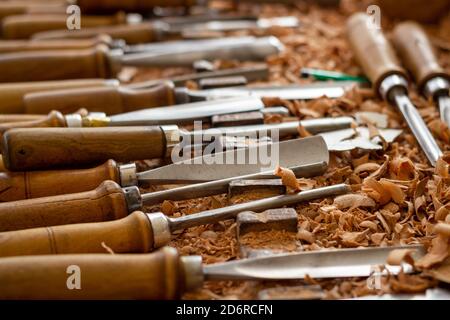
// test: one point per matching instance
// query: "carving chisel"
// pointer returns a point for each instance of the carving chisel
(138, 232)
(101, 62)
(377, 57)
(166, 275)
(10, 8)
(416, 52)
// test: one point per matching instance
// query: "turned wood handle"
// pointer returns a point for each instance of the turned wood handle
(132, 234)
(34, 184)
(12, 94)
(372, 50)
(2, 166)
(50, 148)
(97, 6)
(6, 118)
(106, 202)
(24, 26)
(57, 65)
(10, 8)
(9, 46)
(417, 54)
(158, 275)
(130, 33)
(110, 100)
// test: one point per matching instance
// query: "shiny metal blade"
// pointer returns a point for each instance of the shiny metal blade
(444, 109)
(224, 165)
(186, 113)
(340, 263)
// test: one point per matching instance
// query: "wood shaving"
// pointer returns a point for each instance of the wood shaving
(353, 201)
(288, 179)
(397, 257)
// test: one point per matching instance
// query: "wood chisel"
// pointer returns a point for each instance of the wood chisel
(416, 51)
(101, 62)
(377, 57)
(166, 275)
(10, 8)
(138, 232)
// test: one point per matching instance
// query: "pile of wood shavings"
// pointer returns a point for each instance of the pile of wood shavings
(399, 196)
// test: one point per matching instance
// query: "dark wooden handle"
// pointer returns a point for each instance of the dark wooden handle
(11, 94)
(56, 65)
(416, 52)
(130, 33)
(24, 26)
(110, 100)
(2, 166)
(50, 148)
(34, 184)
(158, 275)
(132, 234)
(106, 202)
(90, 6)
(371, 49)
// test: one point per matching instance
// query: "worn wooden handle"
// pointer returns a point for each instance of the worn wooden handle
(110, 100)
(6, 118)
(11, 94)
(158, 275)
(130, 33)
(417, 54)
(10, 8)
(34, 184)
(372, 50)
(143, 6)
(50, 148)
(106, 202)
(24, 26)
(57, 65)
(9, 46)
(132, 234)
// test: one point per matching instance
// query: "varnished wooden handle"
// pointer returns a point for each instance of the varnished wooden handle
(2, 166)
(50, 148)
(372, 50)
(416, 52)
(11, 8)
(24, 26)
(144, 6)
(158, 275)
(130, 33)
(106, 202)
(110, 100)
(6, 118)
(9, 46)
(132, 234)
(57, 65)
(34, 184)
(11, 94)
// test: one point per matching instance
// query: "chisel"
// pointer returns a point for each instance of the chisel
(377, 57)
(416, 52)
(11, 94)
(138, 232)
(89, 6)
(33, 184)
(10, 8)
(101, 62)
(166, 275)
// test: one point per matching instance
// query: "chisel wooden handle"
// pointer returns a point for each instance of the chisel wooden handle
(24, 26)
(90, 6)
(9, 46)
(372, 50)
(130, 33)
(107, 202)
(50, 148)
(2, 166)
(159, 275)
(11, 94)
(416, 52)
(6, 118)
(34, 184)
(110, 100)
(132, 234)
(10, 8)
(57, 65)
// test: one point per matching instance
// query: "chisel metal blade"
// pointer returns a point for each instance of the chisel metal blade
(340, 263)
(224, 165)
(444, 109)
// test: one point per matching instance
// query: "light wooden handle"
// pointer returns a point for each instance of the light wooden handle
(9, 46)
(416, 52)
(106, 202)
(158, 275)
(372, 50)
(90, 6)
(24, 26)
(11, 8)
(50, 148)
(7, 118)
(130, 33)
(34, 184)
(132, 234)
(11, 94)
(110, 100)
(56, 65)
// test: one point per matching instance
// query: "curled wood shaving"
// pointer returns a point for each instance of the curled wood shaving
(397, 257)
(305, 235)
(367, 167)
(108, 249)
(437, 253)
(394, 190)
(353, 201)
(288, 179)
